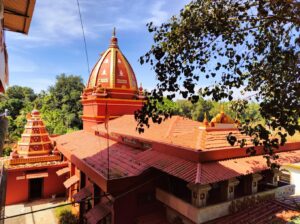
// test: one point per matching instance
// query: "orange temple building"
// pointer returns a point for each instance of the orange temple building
(31, 169)
(112, 88)
(180, 171)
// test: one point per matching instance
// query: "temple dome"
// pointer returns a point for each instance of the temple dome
(113, 70)
(223, 118)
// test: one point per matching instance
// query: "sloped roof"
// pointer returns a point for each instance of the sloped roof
(93, 152)
(272, 211)
(211, 172)
(18, 15)
(176, 130)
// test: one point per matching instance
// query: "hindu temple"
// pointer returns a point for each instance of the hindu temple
(112, 88)
(179, 171)
(32, 166)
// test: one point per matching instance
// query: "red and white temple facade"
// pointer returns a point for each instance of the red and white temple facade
(180, 171)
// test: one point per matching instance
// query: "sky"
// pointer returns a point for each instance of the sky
(55, 45)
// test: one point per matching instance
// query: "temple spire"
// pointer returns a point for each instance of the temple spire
(222, 108)
(114, 40)
(114, 32)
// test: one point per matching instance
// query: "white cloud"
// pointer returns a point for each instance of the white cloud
(53, 23)
(158, 15)
(37, 84)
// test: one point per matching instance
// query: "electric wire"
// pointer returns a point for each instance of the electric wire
(84, 39)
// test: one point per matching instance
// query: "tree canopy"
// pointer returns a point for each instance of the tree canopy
(247, 46)
(60, 106)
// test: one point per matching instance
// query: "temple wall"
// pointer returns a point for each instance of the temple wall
(53, 184)
(95, 112)
(142, 201)
(16, 190)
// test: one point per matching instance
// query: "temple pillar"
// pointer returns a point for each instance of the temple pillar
(272, 177)
(199, 194)
(255, 178)
(228, 189)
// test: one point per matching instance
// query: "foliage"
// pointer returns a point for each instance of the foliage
(249, 45)
(3, 131)
(295, 220)
(18, 101)
(60, 106)
(7, 150)
(67, 217)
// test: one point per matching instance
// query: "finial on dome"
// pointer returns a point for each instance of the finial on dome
(222, 108)
(114, 32)
(114, 40)
(205, 121)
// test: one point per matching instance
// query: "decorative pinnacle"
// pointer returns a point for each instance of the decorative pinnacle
(222, 108)
(205, 121)
(114, 32)
(114, 40)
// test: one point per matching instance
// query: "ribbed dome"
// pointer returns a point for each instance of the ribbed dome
(113, 70)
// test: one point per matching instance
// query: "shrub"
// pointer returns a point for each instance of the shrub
(67, 217)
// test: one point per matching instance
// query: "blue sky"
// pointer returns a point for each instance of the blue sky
(54, 44)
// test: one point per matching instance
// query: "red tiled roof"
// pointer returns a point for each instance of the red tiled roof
(211, 172)
(97, 213)
(63, 171)
(175, 130)
(266, 212)
(71, 181)
(92, 151)
(83, 193)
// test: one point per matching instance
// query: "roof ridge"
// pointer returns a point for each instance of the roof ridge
(198, 174)
(172, 126)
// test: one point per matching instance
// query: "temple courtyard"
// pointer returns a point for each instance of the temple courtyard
(45, 216)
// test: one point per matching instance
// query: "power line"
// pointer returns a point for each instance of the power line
(84, 40)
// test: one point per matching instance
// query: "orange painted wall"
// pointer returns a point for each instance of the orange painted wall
(94, 111)
(17, 191)
(53, 184)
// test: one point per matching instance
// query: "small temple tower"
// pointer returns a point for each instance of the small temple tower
(35, 139)
(112, 89)
(33, 164)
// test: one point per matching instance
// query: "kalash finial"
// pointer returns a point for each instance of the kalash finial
(222, 109)
(114, 40)
(114, 32)
(205, 120)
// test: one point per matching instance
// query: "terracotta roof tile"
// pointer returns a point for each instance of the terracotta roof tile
(211, 172)
(83, 193)
(71, 181)
(175, 130)
(97, 213)
(93, 151)
(63, 171)
(266, 212)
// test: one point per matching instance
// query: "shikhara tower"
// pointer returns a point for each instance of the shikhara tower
(112, 89)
